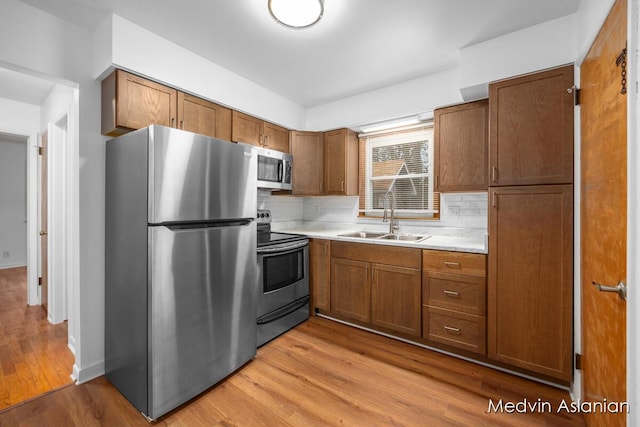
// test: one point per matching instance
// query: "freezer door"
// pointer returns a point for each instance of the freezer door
(203, 291)
(196, 178)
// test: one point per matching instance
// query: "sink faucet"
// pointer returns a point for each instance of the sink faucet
(393, 222)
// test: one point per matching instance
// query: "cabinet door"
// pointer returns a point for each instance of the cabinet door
(351, 289)
(461, 146)
(531, 130)
(246, 128)
(320, 280)
(341, 162)
(276, 137)
(396, 301)
(308, 152)
(130, 102)
(203, 117)
(530, 288)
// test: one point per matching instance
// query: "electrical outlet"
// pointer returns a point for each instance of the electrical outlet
(454, 210)
(6, 254)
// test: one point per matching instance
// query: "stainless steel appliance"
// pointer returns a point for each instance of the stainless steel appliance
(283, 260)
(181, 268)
(274, 169)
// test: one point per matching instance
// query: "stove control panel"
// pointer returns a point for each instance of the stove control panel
(263, 216)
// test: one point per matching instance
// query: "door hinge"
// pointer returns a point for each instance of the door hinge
(576, 94)
(578, 361)
(40, 151)
(621, 60)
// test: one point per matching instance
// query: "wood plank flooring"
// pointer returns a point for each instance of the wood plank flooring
(34, 357)
(321, 373)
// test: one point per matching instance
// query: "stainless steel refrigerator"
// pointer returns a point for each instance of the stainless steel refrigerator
(181, 268)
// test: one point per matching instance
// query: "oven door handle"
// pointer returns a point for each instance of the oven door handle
(283, 311)
(281, 249)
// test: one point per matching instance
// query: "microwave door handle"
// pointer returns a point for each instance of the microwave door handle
(280, 171)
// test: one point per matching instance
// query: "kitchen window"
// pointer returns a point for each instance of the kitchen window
(401, 162)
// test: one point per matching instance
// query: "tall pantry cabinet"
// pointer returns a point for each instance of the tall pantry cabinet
(530, 287)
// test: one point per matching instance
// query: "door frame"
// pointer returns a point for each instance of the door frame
(633, 219)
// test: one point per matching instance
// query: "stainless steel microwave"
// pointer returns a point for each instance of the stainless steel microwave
(274, 169)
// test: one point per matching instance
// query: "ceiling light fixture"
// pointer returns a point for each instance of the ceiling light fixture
(296, 13)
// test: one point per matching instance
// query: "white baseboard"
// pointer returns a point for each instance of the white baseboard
(89, 373)
(13, 264)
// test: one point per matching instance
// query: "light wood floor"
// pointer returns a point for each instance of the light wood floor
(34, 357)
(320, 373)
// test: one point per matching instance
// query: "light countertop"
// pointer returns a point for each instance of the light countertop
(441, 238)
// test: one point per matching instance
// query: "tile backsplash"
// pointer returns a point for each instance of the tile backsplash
(464, 210)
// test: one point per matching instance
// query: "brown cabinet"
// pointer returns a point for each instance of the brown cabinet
(255, 131)
(530, 290)
(395, 298)
(531, 129)
(351, 289)
(204, 117)
(308, 151)
(319, 274)
(341, 162)
(130, 102)
(461, 134)
(377, 285)
(454, 299)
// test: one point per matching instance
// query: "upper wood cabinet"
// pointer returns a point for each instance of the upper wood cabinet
(530, 287)
(204, 117)
(308, 152)
(461, 134)
(531, 129)
(130, 102)
(340, 162)
(255, 131)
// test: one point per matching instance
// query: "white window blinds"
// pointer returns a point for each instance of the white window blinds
(400, 162)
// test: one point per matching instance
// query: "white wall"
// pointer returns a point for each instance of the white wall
(13, 202)
(535, 48)
(136, 49)
(52, 47)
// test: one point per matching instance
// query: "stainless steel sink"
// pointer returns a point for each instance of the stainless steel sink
(404, 237)
(385, 236)
(364, 234)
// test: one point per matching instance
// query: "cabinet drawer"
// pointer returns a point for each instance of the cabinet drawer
(454, 292)
(456, 329)
(454, 262)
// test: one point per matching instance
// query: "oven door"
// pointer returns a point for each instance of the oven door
(284, 275)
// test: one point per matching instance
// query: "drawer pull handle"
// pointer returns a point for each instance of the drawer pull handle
(452, 329)
(452, 294)
(451, 264)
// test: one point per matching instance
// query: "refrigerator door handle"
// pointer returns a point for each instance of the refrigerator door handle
(203, 224)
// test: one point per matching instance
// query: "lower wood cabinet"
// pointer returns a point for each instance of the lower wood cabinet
(377, 285)
(319, 274)
(454, 299)
(395, 298)
(530, 289)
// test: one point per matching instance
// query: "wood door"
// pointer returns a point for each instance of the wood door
(308, 151)
(204, 117)
(276, 137)
(531, 129)
(461, 135)
(396, 301)
(44, 223)
(246, 128)
(530, 287)
(351, 289)
(140, 102)
(320, 274)
(603, 207)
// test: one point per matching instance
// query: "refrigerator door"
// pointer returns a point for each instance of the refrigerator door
(203, 294)
(196, 178)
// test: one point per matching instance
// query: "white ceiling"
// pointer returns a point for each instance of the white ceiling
(22, 87)
(358, 46)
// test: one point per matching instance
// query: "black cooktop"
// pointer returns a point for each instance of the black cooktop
(266, 237)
